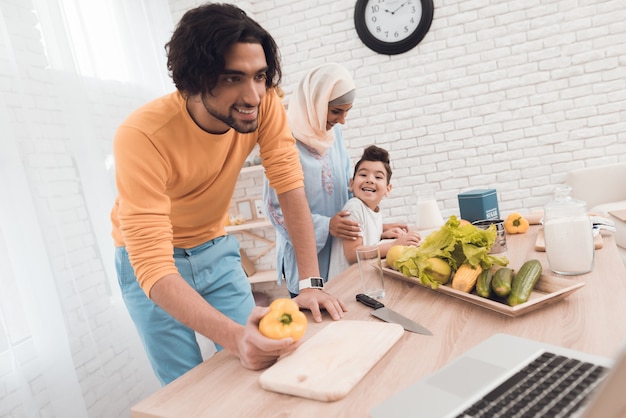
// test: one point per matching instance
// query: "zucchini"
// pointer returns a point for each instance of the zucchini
(502, 280)
(524, 282)
(483, 285)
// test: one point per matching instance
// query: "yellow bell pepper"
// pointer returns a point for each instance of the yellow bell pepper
(516, 224)
(283, 320)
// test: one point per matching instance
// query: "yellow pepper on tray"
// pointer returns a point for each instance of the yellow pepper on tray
(283, 320)
(516, 224)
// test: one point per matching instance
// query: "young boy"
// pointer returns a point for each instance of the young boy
(370, 184)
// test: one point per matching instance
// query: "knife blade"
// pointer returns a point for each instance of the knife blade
(387, 315)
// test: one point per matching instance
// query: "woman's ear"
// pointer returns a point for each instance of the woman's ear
(350, 187)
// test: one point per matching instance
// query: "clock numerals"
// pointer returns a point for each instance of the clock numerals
(392, 23)
(392, 26)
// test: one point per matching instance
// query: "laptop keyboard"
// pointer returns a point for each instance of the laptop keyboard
(550, 386)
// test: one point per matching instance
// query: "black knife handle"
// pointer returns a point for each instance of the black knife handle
(368, 301)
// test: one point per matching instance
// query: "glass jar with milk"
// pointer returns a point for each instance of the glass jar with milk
(568, 234)
(428, 216)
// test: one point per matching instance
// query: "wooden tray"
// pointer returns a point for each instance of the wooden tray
(549, 289)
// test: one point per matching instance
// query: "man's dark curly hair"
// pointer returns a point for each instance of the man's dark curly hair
(374, 153)
(195, 53)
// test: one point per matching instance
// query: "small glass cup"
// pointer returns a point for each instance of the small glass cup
(370, 267)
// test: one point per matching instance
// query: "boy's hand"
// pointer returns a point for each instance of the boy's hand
(408, 238)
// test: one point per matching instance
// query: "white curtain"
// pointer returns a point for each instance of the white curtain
(70, 71)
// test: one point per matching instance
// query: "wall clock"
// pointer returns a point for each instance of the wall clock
(392, 26)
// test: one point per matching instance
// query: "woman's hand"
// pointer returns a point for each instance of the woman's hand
(341, 226)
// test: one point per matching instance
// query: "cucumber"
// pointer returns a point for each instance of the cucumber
(524, 282)
(502, 280)
(483, 284)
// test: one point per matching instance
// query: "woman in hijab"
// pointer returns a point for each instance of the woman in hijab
(316, 110)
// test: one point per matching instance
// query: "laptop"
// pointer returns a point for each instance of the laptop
(501, 368)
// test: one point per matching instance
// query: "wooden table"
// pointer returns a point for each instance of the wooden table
(591, 320)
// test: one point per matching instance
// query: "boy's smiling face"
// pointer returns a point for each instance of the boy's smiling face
(370, 183)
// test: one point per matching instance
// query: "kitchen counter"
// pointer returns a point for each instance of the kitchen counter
(590, 319)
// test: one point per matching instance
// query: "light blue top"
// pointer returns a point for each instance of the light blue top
(326, 182)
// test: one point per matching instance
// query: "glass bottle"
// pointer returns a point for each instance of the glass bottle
(428, 215)
(568, 234)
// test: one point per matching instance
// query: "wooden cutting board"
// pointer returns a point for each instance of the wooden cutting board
(540, 243)
(328, 365)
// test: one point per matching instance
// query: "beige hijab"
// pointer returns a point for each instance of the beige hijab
(308, 105)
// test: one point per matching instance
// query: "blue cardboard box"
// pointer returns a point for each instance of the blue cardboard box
(479, 204)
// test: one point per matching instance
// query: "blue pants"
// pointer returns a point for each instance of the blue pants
(214, 270)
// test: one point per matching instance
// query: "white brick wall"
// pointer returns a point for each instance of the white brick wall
(502, 93)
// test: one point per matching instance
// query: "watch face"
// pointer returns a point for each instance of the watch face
(317, 282)
(392, 20)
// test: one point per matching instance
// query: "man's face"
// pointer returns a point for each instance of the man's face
(234, 102)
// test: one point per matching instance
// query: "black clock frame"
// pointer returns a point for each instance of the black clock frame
(393, 48)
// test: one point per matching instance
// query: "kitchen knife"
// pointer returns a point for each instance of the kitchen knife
(387, 315)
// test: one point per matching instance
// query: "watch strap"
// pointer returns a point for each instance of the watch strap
(311, 283)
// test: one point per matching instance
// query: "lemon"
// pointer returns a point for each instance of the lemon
(393, 254)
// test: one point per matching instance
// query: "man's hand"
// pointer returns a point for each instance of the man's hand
(316, 299)
(256, 351)
(341, 226)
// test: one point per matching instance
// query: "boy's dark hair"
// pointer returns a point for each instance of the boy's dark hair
(195, 53)
(374, 153)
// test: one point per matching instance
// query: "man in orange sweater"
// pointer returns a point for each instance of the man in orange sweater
(177, 161)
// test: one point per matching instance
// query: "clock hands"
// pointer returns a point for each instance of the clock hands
(392, 26)
(398, 8)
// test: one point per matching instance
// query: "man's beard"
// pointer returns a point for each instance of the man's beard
(241, 127)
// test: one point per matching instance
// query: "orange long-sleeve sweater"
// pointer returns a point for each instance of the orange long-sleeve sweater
(175, 181)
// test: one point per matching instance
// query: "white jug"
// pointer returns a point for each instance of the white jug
(428, 215)
(568, 234)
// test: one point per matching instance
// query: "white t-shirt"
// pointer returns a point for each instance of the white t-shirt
(371, 230)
